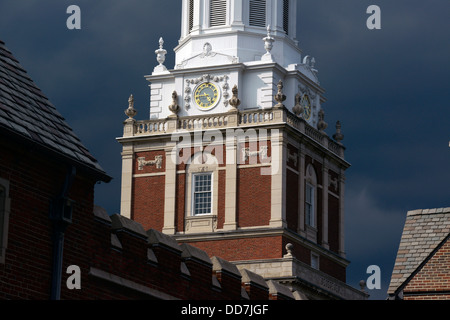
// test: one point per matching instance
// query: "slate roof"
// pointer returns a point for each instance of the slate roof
(423, 232)
(26, 112)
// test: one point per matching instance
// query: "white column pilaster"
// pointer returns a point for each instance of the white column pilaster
(170, 191)
(301, 193)
(230, 222)
(341, 214)
(127, 180)
(278, 189)
(325, 204)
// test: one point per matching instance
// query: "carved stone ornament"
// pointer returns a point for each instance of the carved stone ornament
(298, 108)
(262, 153)
(322, 125)
(268, 45)
(187, 95)
(234, 101)
(174, 107)
(130, 112)
(332, 182)
(293, 157)
(289, 250)
(338, 136)
(160, 57)
(157, 162)
(188, 91)
(280, 97)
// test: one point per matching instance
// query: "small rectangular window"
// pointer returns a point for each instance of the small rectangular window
(257, 17)
(217, 13)
(202, 193)
(309, 205)
(315, 261)
(286, 16)
(191, 15)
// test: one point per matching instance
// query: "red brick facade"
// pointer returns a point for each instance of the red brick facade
(141, 265)
(432, 282)
(253, 205)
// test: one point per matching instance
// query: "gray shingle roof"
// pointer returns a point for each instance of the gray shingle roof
(25, 111)
(424, 230)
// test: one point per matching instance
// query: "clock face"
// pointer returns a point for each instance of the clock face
(306, 104)
(206, 95)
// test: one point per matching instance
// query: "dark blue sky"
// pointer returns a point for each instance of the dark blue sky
(389, 88)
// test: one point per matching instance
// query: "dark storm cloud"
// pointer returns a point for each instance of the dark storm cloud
(388, 87)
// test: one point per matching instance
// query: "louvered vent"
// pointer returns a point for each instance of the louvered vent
(217, 13)
(191, 15)
(258, 13)
(286, 16)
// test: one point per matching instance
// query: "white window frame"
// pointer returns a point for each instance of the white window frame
(310, 215)
(211, 191)
(5, 204)
(315, 261)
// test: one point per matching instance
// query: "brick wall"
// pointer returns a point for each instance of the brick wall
(292, 200)
(254, 197)
(243, 248)
(148, 201)
(432, 282)
(117, 257)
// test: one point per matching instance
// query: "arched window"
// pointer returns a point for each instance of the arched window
(257, 15)
(217, 13)
(202, 184)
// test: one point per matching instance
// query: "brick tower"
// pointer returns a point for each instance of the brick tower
(234, 158)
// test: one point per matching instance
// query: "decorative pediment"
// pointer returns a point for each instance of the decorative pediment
(207, 58)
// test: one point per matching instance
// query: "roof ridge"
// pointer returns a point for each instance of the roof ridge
(428, 211)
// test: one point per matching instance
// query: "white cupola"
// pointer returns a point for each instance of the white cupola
(236, 27)
(250, 44)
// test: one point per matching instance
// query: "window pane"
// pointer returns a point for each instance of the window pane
(309, 205)
(202, 194)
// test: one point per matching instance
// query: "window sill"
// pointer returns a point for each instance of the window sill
(200, 223)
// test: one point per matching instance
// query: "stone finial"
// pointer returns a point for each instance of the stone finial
(280, 97)
(322, 125)
(160, 57)
(338, 136)
(130, 112)
(174, 107)
(362, 285)
(298, 108)
(289, 249)
(268, 45)
(234, 101)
